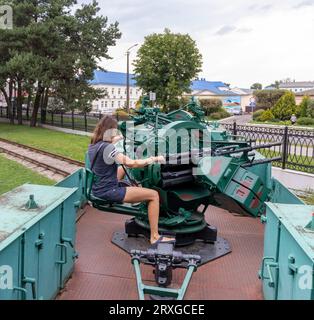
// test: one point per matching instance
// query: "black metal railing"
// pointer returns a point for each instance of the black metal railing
(296, 149)
(69, 120)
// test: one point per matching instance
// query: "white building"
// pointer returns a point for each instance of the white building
(297, 86)
(2, 100)
(114, 84)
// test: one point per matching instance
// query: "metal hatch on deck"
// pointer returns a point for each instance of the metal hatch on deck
(16, 214)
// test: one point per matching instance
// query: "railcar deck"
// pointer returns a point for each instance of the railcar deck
(104, 272)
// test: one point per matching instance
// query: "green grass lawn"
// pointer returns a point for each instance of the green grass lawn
(309, 161)
(282, 123)
(69, 145)
(13, 174)
(308, 198)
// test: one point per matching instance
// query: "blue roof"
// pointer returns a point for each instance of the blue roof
(212, 86)
(112, 78)
(119, 79)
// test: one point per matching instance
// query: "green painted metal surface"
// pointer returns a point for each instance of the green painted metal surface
(37, 242)
(177, 294)
(287, 269)
(188, 141)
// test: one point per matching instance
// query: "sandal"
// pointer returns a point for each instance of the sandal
(159, 240)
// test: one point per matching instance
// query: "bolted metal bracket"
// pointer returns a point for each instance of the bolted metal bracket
(31, 203)
(39, 243)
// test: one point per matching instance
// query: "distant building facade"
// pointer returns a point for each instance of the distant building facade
(2, 100)
(297, 86)
(231, 98)
(114, 84)
(300, 95)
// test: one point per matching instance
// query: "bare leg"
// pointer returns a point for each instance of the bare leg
(136, 194)
(120, 173)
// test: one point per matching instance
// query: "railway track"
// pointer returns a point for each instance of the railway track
(55, 166)
(46, 153)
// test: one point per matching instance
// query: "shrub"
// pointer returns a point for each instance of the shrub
(267, 115)
(304, 121)
(211, 106)
(221, 114)
(257, 114)
(285, 106)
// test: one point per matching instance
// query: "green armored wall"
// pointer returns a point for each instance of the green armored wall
(287, 269)
(37, 238)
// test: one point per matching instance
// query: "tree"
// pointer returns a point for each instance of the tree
(52, 47)
(257, 86)
(266, 99)
(211, 105)
(166, 64)
(285, 106)
(303, 107)
(310, 109)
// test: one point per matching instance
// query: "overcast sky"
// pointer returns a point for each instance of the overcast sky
(242, 41)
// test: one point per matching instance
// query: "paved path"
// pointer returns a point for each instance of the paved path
(243, 119)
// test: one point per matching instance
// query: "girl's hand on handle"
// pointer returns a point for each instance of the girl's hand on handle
(160, 159)
(150, 160)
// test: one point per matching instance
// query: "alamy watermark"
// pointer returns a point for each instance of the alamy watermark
(306, 277)
(6, 277)
(183, 146)
(6, 17)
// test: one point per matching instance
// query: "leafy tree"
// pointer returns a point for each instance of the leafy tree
(211, 105)
(285, 106)
(166, 64)
(257, 86)
(53, 49)
(266, 99)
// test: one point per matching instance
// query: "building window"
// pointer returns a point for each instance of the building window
(119, 104)
(119, 91)
(102, 104)
(112, 104)
(106, 104)
(112, 90)
(131, 92)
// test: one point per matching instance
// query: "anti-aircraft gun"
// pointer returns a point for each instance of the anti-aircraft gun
(204, 166)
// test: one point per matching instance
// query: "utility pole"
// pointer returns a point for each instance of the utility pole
(128, 78)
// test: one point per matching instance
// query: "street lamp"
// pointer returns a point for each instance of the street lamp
(128, 77)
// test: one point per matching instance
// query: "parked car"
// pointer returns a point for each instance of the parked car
(235, 111)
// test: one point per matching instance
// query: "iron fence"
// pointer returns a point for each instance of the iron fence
(69, 120)
(296, 149)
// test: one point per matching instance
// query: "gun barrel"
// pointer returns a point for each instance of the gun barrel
(247, 149)
(262, 161)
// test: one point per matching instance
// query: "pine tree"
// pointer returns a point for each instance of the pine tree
(53, 50)
(285, 106)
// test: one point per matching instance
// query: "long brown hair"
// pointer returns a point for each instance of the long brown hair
(105, 125)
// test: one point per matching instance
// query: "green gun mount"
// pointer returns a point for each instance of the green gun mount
(204, 166)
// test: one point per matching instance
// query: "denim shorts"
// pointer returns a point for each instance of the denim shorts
(116, 194)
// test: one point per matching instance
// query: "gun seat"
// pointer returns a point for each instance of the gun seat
(89, 180)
